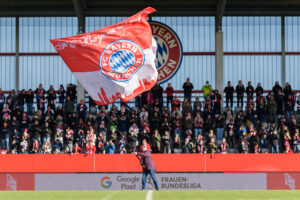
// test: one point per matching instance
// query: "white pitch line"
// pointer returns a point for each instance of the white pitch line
(110, 195)
(149, 195)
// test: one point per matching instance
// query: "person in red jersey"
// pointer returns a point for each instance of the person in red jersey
(90, 148)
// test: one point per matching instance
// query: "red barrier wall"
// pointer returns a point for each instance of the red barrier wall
(164, 163)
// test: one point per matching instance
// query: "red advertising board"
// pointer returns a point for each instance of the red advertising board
(17, 181)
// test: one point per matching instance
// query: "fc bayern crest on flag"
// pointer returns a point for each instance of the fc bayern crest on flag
(169, 51)
(121, 59)
(116, 61)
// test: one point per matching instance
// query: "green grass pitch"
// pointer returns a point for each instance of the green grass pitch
(156, 195)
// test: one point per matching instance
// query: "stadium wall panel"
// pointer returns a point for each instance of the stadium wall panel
(164, 163)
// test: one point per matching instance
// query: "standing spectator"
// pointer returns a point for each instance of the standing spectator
(298, 105)
(220, 123)
(5, 136)
(272, 108)
(69, 106)
(149, 98)
(206, 89)
(217, 102)
(157, 91)
(51, 94)
(188, 87)
(296, 142)
(90, 148)
(289, 106)
(29, 101)
(57, 146)
(2, 99)
(176, 104)
(276, 89)
(259, 90)
(21, 99)
(244, 148)
(40, 92)
(198, 124)
(61, 95)
(166, 140)
(81, 109)
(170, 91)
(110, 147)
(229, 94)
(287, 90)
(224, 146)
(156, 142)
(187, 146)
(240, 90)
(280, 101)
(69, 138)
(212, 147)
(71, 92)
(274, 141)
(249, 91)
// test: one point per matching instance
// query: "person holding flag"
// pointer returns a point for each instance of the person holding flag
(148, 166)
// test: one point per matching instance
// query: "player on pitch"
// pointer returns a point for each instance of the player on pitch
(148, 166)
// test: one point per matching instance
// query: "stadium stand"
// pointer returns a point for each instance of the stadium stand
(44, 122)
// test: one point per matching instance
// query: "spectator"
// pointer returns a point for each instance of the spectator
(109, 147)
(259, 90)
(91, 149)
(81, 109)
(206, 89)
(69, 106)
(224, 146)
(220, 123)
(272, 108)
(157, 91)
(175, 103)
(188, 87)
(229, 94)
(249, 91)
(29, 101)
(187, 146)
(276, 89)
(40, 92)
(240, 90)
(156, 142)
(296, 142)
(169, 91)
(2, 99)
(166, 141)
(217, 102)
(274, 141)
(61, 95)
(212, 147)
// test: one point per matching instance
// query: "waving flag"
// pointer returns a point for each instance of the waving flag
(114, 62)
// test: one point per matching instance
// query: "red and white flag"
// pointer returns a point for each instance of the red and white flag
(114, 62)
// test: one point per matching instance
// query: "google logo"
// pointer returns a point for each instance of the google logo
(105, 182)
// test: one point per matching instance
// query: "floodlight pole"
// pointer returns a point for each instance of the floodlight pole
(219, 65)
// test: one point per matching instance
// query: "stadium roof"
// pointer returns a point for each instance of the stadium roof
(165, 7)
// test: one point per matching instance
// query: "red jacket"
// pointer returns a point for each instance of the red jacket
(169, 91)
(90, 149)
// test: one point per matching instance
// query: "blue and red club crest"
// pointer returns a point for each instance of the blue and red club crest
(169, 51)
(121, 59)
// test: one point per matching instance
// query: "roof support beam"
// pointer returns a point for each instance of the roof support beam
(80, 14)
(220, 12)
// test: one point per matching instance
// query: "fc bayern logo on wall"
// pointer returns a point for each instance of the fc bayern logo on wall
(169, 51)
(121, 59)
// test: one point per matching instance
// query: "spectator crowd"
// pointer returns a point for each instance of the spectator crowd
(259, 123)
